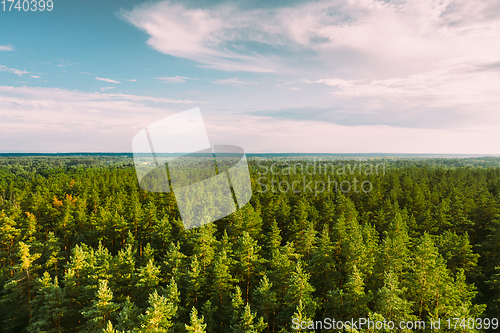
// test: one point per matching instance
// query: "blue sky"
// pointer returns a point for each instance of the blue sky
(283, 76)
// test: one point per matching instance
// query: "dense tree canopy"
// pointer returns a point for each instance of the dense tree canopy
(84, 249)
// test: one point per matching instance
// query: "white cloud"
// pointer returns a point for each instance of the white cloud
(394, 76)
(174, 79)
(64, 63)
(464, 90)
(201, 34)
(107, 80)
(264, 134)
(133, 80)
(137, 98)
(12, 70)
(359, 36)
(48, 119)
(51, 119)
(409, 63)
(106, 88)
(6, 48)
(35, 76)
(456, 96)
(231, 81)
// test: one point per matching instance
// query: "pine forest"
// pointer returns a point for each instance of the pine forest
(84, 249)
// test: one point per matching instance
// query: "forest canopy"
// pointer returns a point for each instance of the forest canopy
(84, 249)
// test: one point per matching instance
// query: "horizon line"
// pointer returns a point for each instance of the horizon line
(247, 153)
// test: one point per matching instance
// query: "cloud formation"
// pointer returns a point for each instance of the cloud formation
(13, 70)
(6, 48)
(208, 36)
(399, 75)
(231, 81)
(403, 64)
(107, 80)
(175, 79)
(64, 120)
(333, 33)
(266, 134)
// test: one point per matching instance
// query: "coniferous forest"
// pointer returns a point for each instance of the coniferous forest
(84, 249)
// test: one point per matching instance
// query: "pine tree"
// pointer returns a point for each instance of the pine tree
(172, 295)
(273, 238)
(406, 274)
(282, 264)
(300, 222)
(159, 314)
(123, 269)
(324, 275)
(277, 209)
(245, 219)
(266, 302)
(248, 261)
(52, 253)
(356, 298)
(150, 219)
(460, 299)
(29, 227)
(237, 306)
(300, 317)
(299, 290)
(339, 238)
(147, 281)
(79, 283)
(196, 283)
(49, 306)
(197, 325)
(101, 310)
(119, 227)
(162, 233)
(429, 280)
(209, 313)
(390, 299)
(494, 284)
(175, 262)
(101, 268)
(457, 251)
(9, 234)
(204, 245)
(222, 285)
(393, 253)
(128, 317)
(247, 322)
(18, 290)
(360, 247)
(305, 239)
(134, 212)
(109, 328)
(226, 244)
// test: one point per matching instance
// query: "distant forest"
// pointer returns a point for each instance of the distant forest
(84, 249)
